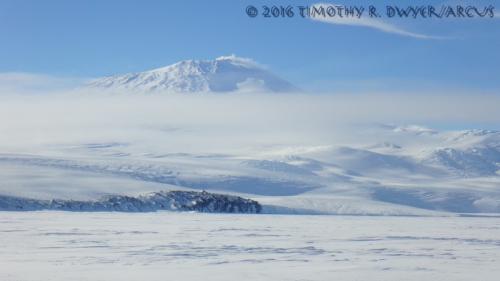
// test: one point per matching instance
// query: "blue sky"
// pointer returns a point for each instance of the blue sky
(97, 38)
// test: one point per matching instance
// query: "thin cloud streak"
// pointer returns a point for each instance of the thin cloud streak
(366, 21)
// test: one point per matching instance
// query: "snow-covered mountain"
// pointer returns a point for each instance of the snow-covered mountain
(402, 172)
(224, 74)
(469, 153)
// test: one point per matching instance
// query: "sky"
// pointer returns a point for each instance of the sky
(87, 39)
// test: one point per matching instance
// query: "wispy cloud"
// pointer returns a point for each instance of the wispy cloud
(20, 82)
(366, 21)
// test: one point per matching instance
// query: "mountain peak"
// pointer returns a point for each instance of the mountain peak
(223, 74)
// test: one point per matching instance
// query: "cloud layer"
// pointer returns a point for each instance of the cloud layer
(209, 122)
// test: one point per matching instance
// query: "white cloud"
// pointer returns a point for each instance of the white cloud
(252, 85)
(241, 60)
(29, 83)
(368, 22)
(212, 122)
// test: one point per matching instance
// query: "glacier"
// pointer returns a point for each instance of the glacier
(404, 179)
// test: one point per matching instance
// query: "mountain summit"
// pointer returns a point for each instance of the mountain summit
(224, 74)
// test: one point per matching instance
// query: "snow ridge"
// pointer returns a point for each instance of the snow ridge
(173, 200)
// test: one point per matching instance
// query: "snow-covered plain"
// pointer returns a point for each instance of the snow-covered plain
(191, 246)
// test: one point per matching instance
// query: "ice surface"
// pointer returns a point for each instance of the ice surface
(183, 246)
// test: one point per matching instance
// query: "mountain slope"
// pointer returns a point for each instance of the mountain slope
(224, 74)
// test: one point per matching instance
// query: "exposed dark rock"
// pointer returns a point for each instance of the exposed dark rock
(164, 200)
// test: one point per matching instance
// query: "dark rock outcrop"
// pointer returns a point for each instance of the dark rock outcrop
(164, 200)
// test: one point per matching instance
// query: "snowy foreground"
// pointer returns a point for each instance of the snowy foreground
(70, 246)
